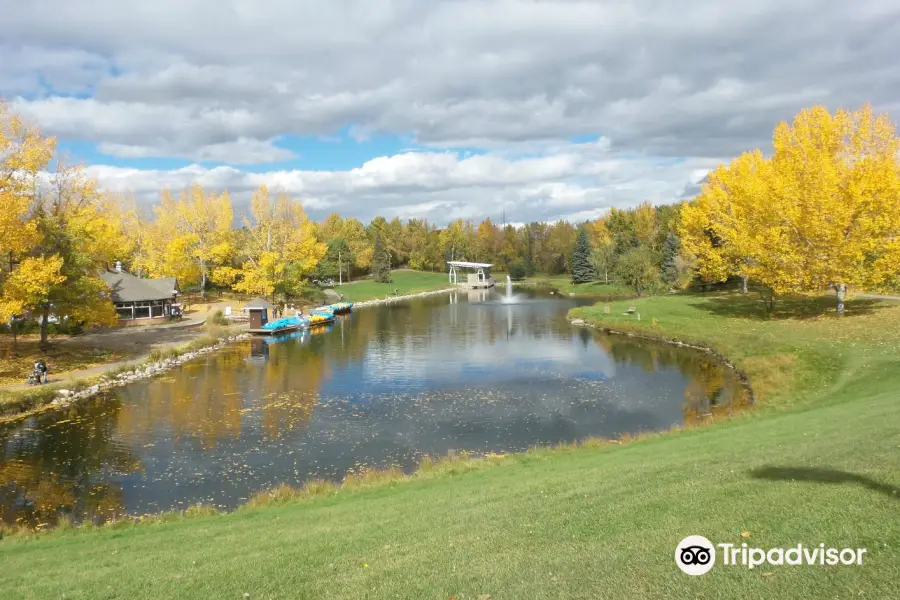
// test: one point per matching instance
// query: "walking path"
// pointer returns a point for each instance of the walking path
(874, 296)
(140, 341)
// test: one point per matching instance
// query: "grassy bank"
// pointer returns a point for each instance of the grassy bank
(592, 522)
(563, 284)
(403, 280)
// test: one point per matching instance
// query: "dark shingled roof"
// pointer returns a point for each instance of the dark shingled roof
(125, 287)
(164, 284)
(258, 304)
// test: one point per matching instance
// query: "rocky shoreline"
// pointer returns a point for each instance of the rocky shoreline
(140, 372)
(393, 299)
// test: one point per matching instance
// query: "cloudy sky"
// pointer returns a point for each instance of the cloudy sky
(441, 108)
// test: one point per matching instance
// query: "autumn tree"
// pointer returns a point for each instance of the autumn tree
(195, 235)
(637, 269)
(281, 248)
(486, 241)
(334, 263)
(73, 227)
(24, 153)
(416, 243)
(582, 268)
(823, 211)
(456, 240)
(354, 234)
(603, 259)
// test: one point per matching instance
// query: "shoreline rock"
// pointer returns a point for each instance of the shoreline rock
(393, 299)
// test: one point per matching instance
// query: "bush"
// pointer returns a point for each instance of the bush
(517, 271)
(218, 318)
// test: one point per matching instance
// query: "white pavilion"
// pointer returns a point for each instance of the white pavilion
(474, 280)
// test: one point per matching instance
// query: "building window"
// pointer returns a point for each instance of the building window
(142, 310)
(125, 311)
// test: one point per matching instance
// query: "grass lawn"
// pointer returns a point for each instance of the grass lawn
(405, 281)
(821, 464)
(17, 361)
(563, 284)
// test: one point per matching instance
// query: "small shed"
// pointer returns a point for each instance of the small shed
(258, 311)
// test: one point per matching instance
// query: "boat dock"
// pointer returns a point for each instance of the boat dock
(284, 329)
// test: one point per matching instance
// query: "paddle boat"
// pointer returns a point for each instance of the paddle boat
(320, 317)
(337, 308)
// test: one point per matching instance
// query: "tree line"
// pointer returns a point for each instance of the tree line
(822, 211)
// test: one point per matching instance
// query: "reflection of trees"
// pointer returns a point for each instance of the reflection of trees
(293, 375)
(62, 464)
(207, 400)
(200, 401)
(711, 390)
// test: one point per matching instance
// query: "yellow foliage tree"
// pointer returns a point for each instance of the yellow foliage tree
(30, 284)
(55, 227)
(823, 211)
(24, 152)
(281, 247)
(192, 236)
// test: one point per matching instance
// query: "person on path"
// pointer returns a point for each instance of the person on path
(41, 370)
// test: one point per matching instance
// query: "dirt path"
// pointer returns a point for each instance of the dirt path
(138, 342)
(873, 296)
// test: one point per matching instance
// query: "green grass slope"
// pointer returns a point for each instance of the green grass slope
(403, 280)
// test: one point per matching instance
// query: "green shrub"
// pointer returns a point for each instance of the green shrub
(517, 271)
(218, 318)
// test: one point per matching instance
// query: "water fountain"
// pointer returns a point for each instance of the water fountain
(509, 298)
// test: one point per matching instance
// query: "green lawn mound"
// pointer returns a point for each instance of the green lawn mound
(405, 281)
(817, 462)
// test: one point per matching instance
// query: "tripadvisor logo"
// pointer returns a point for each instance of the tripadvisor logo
(696, 555)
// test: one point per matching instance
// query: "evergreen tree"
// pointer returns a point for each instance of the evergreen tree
(669, 269)
(582, 268)
(381, 261)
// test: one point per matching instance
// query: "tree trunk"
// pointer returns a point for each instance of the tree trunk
(744, 284)
(841, 289)
(202, 279)
(45, 321)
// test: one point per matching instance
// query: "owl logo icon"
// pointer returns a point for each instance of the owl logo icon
(695, 555)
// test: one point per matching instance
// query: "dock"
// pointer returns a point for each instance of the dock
(285, 329)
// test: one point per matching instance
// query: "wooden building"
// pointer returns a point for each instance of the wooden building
(141, 301)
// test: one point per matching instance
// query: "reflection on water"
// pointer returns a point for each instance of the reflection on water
(382, 386)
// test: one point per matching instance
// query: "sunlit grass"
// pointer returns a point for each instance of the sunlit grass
(563, 284)
(403, 280)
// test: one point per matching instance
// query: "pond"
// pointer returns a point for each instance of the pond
(383, 386)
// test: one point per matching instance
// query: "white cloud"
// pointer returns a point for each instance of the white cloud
(570, 181)
(223, 80)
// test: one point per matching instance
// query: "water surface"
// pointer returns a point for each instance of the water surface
(382, 386)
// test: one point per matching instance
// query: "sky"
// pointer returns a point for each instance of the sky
(530, 109)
